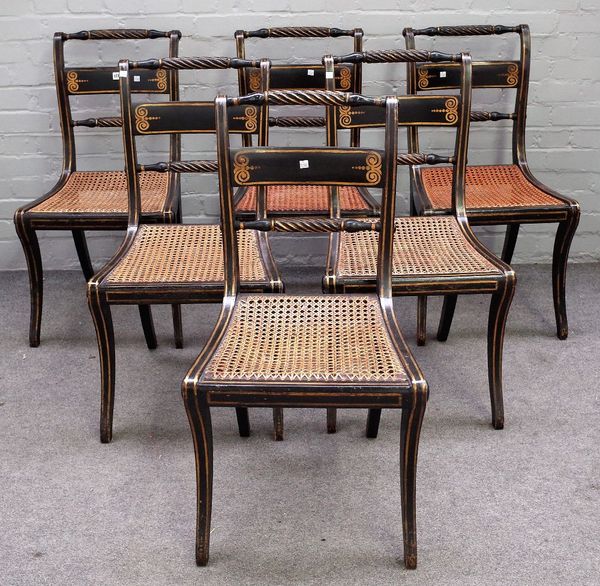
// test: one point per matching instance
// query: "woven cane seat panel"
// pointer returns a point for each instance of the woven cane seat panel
(303, 198)
(287, 338)
(497, 186)
(422, 246)
(185, 253)
(105, 192)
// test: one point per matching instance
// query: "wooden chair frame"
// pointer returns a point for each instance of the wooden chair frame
(449, 110)
(302, 76)
(173, 118)
(566, 211)
(81, 81)
(273, 165)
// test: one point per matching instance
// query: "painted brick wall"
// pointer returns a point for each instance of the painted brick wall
(564, 108)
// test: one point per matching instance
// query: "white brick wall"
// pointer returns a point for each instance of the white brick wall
(564, 108)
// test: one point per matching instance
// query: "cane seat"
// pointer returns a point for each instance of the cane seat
(307, 339)
(487, 186)
(184, 254)
(105, 192)
(422, 246)
(305, 199)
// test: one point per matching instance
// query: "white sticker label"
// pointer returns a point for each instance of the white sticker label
(136, 78)
(329, 74)
(115, 75)
(123, 73)
(310, 72)
(304, 164)
(442, 74)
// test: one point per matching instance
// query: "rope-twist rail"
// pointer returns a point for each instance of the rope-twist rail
(467, 30)
(177, 63)
(297, 121)
(301, 31)
(182, 167)
(482, 116)
(423, 159)
(306, 98)
(109, 122)
(130, 33)
(309, 225)
(398, 56)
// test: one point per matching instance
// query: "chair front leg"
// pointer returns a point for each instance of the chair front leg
(83, 253)
(499, 307)
(331, 419)
(373, 418)
(31, 248)
(177, 325)
(198, 413)
(278, 424)
(412, 419)
(243, 421)
(148, 326)
(421, 320)
(446, 317)
(510, 240)
(102, 317)
(562, 244)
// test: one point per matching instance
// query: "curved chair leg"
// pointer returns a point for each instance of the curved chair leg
(83, 253)
(446, 317)
(101, 315)
(177, 325)
(198, 414)
(148, 326)
(373, 419)
(499, 307)
(562, 244)
(278, 424)
(421, 320)
(331, 419)
(510, 240)
(31, 248)
(412, 418)
(243, 421)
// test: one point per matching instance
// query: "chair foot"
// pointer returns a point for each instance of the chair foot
(278, 424)
(412, 419)
(562, 244)
(331, 420)
(177, 325)
(243, 421)
(499, 307)
(31, 248)
(199, 418)
(102, 318)
(373, 419)
(421, 320)
(446, 317)
(148, 326)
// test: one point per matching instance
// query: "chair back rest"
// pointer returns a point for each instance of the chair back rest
(177, 118)
(501, 74)
(81, 81)
(448, 110)
(301, 76)
(353, 166)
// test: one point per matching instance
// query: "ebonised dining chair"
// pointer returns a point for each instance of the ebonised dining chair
(436, 255)
(495, 194)
(173, 264)
(307, 350)
(97, 200)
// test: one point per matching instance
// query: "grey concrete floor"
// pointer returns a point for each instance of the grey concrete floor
(519, 506)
